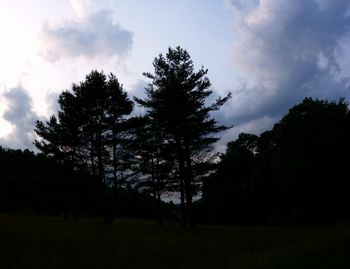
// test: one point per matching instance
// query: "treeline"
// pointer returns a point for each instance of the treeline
(34, 184)
(99, 158)
(29, 183)
(295, 173)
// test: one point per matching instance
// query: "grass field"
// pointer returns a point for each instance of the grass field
(43, 242)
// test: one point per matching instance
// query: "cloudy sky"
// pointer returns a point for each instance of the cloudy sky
(269, 53)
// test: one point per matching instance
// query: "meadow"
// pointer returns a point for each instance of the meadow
(49, 242)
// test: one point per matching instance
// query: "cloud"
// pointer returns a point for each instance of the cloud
(52, 101)
(138, 90)
(256, 126)
(93, 34)
(20, 114)
(81, 7)
(287, 50)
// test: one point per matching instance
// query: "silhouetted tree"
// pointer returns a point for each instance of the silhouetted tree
(89, 132)
(118, 108)
(154, 160)
(176, 104)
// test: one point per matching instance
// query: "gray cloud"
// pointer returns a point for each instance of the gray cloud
(52, 101)
(95, 34)
(287, 50)
(21, 115)
(138, 91)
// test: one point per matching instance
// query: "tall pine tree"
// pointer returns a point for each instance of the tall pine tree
(175, 101)
(89, 131)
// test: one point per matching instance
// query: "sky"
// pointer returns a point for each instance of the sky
(270, 54)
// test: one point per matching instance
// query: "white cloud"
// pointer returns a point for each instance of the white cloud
(81, 7)
(94, 34)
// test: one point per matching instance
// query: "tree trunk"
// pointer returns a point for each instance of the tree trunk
(158, 192)
(182, 199)
(115, 179)
(159, 209)
(189, 185)
(92, 157)
(182, 175)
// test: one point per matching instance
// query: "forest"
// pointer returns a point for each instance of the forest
(97, 157)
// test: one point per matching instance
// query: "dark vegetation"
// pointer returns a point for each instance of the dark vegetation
(34, 184)
(42, 242)
(98, 159)
(294, 173)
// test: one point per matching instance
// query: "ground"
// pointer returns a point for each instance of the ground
(47, 242)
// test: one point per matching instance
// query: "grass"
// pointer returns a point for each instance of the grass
(43, 242)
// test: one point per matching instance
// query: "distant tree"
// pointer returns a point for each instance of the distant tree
(176, 104)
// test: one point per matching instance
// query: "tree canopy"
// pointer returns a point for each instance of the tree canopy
(169, 149)
(175, 103)
(295, 172)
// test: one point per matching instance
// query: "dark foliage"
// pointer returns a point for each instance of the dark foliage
(90, 135)
(34, 184)
(176, 107)
(97, 160)
(294, 173)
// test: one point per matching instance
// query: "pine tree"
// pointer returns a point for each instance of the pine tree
(176, 103)
(90, 128)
